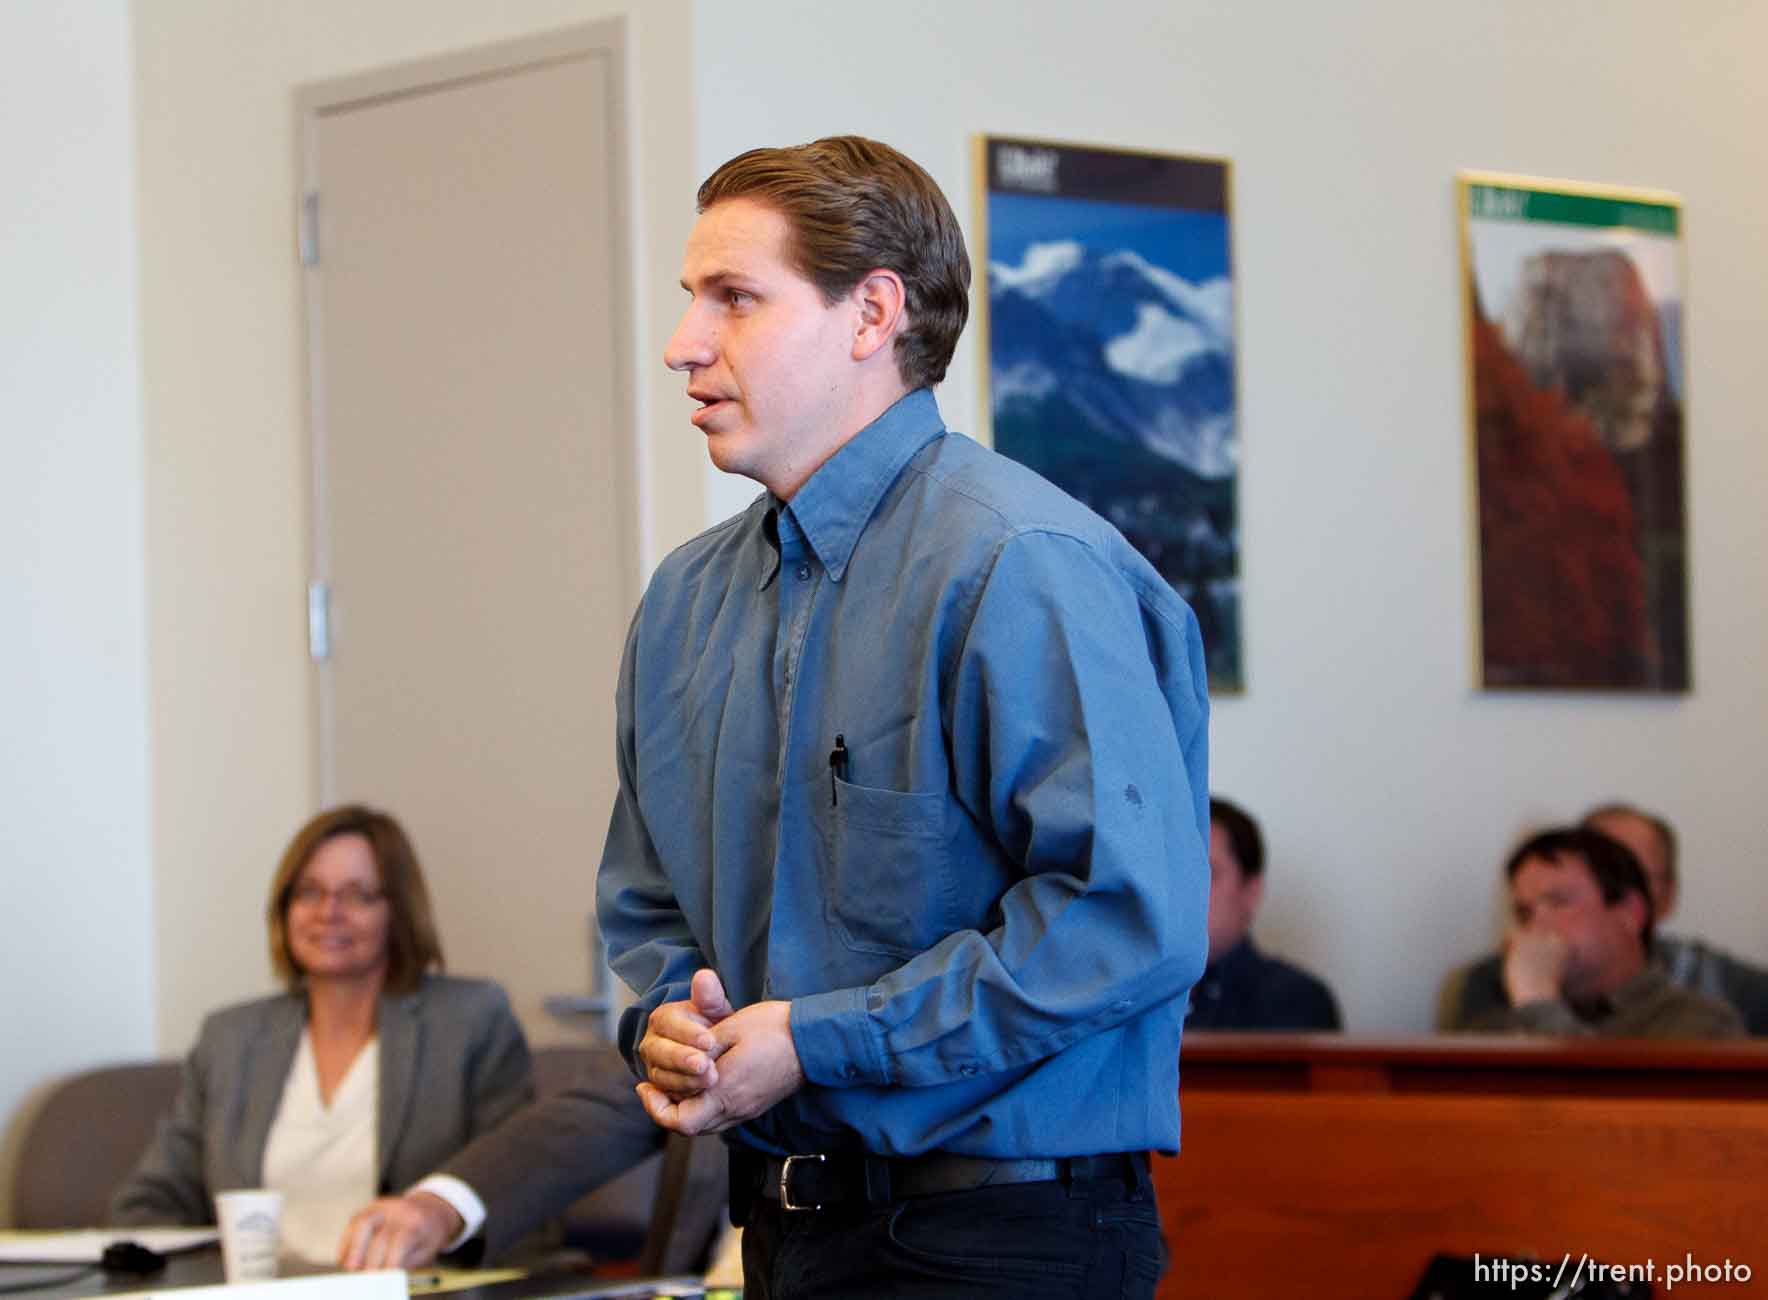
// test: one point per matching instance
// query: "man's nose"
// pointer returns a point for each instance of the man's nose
(690, 347)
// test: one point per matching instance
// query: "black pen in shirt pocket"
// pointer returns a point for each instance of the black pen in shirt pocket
(837, 767)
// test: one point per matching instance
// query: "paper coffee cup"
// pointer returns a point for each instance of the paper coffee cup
(251, 1225)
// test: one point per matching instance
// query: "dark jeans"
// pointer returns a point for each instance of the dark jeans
(1025, 1240)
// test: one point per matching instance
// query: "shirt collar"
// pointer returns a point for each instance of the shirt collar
(770, 533)
(780, 529)
(835, 503)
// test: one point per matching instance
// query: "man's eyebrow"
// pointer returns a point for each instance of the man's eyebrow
(717, 280)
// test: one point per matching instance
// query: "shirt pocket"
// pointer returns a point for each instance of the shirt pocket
(886, 860)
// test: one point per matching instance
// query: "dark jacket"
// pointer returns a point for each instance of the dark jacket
(1247, 990)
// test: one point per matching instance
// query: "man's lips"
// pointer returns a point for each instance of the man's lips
(709, 402)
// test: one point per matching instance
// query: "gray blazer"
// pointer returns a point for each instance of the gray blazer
(453, 1065)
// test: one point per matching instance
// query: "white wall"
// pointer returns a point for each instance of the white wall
(76, 960)
(227, 525)
(1389, 789)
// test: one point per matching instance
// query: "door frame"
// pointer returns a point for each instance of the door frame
(605, 39)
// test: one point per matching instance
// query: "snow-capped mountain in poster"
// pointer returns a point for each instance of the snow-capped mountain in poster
(1111, 357)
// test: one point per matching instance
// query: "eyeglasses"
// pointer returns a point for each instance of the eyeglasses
(351, 897)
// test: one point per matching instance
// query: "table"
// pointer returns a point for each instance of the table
(203, 1268)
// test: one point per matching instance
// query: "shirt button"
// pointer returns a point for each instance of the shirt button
(804, 573)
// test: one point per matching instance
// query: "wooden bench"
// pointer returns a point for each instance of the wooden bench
(1469, 1063)
(1340, 1195)
(1337, 1167)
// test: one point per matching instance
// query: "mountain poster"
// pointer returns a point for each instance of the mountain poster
(1111, 358)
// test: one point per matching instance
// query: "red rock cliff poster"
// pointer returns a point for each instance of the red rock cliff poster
(1574, 320)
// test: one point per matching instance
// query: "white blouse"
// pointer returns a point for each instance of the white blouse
(324, 1159)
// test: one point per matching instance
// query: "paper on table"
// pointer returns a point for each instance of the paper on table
(437, 1281)
(387, 1284)
(87, 1245)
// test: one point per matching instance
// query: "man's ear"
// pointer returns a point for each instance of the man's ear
(881, 307)
(1253, 890)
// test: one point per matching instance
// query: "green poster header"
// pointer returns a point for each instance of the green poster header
(1512, 203)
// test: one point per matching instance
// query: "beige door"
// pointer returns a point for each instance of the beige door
(473, 499)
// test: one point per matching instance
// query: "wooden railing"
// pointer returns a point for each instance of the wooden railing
(1471, 1063)
(1336, 1167)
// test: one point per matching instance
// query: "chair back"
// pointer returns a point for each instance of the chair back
(693, 1187)
(84, 1139)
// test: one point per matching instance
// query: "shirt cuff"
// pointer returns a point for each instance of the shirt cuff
(835, 1040)
(1549, 1017)
(465, 1201)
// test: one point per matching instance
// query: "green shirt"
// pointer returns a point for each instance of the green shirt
(1646, 1006)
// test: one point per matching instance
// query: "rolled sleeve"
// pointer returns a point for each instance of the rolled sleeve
(838, 1045)
(1548, 1017)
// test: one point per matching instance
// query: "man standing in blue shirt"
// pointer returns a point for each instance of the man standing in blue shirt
(908, 859)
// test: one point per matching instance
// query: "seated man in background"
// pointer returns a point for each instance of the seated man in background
(1478, 990)
(1242, 988)
(1577, 961)
(1687, 961)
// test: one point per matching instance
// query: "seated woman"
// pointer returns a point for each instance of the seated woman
(360, 1079)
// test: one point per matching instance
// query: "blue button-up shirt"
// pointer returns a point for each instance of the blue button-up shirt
(923, 751)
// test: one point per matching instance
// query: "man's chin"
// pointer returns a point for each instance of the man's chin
(728, 453)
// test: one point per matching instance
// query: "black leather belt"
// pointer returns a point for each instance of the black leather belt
(815, 1182)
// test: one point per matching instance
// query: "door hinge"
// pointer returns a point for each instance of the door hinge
(310, 228)
(319, 621)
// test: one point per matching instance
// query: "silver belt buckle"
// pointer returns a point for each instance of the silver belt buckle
(786, 1182)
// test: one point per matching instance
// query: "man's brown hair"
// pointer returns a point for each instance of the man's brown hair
(412, 945)
(855, 206)
(1611, 864)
